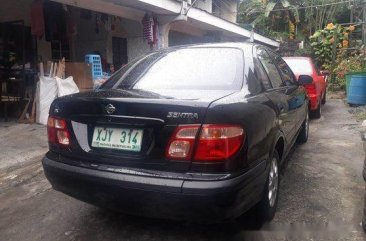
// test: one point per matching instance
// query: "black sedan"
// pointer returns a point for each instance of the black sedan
(191, 133)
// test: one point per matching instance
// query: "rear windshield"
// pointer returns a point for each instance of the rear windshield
(182, 69)
(299, 66)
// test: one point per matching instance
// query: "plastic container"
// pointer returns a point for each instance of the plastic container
(357, 90)
(96, 63)
(348, 79)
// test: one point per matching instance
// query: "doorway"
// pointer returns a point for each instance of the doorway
(119, 48)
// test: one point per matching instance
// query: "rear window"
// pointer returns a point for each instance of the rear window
(183, 69)
(300, 66)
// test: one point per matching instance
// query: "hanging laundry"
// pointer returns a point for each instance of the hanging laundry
(148, 28)
(37, 18)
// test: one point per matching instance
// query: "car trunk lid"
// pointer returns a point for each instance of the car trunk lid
(149, 118)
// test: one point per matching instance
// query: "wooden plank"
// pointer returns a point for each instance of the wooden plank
(32, 118)
(22, 116)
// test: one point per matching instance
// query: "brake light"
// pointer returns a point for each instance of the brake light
(215, 142)
(218, 142)
(311, 89)
(58, 133)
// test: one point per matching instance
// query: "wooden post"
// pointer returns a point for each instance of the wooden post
(334, 56)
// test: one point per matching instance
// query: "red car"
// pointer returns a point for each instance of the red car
(316, 90)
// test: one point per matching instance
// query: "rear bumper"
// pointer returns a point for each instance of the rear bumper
(159, 197)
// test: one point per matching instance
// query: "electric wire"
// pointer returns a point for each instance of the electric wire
(297, 8)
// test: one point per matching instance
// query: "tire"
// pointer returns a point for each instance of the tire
(318, 112)
(324, 98)
(268, 204)
(304, 133)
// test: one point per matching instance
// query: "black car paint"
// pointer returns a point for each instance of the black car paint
(271, 118)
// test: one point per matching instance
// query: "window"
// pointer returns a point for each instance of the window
(270, 68)
(300, 66)
(262, 75)
(183, 69)
(286, 72)
(287, 75)
(198, 69)
(254, 85)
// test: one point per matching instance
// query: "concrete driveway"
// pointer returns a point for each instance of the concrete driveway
(321, 194)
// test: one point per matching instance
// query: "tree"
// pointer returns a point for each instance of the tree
(283, 18)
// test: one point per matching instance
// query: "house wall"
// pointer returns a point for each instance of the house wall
(205, 5)
(11, 10)
(88, 41)
(178, 38)
(226, 9)
(132, 31)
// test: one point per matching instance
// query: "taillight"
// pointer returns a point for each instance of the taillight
(311, 89)
(215, 142)
(218, 142)
(182, 142)
(58, 133)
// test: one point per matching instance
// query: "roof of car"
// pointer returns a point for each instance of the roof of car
(218, 45)
(298, 57)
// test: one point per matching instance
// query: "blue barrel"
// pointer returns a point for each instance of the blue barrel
(357, 90)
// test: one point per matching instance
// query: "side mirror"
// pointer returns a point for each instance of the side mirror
(305, 80)
(324, 72)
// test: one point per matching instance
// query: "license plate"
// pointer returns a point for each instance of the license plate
(116, 138)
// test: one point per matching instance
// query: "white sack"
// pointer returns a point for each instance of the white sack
(66, 86)
(46, 93)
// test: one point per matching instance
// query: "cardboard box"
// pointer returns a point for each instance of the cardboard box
(82, 74)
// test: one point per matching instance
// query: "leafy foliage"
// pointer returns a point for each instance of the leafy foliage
(291, 16)
(322, 42)
(347, 64)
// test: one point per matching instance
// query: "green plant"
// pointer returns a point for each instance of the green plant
(304, 52)
(323, 41)
(346, 65)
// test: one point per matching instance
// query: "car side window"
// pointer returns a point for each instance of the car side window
(287, 74)
(254, 85)
(261, 75)
(270, 68)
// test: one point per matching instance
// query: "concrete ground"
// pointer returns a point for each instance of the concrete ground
(321, 194)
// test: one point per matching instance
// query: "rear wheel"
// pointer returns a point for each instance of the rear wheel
(324, 97)
(304, 133)
(268, 204)
(317, 113)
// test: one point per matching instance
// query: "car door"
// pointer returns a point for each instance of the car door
(281, 95)
(299, 100)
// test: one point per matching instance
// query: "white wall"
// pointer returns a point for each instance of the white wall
(226, 9)
(205, 5)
